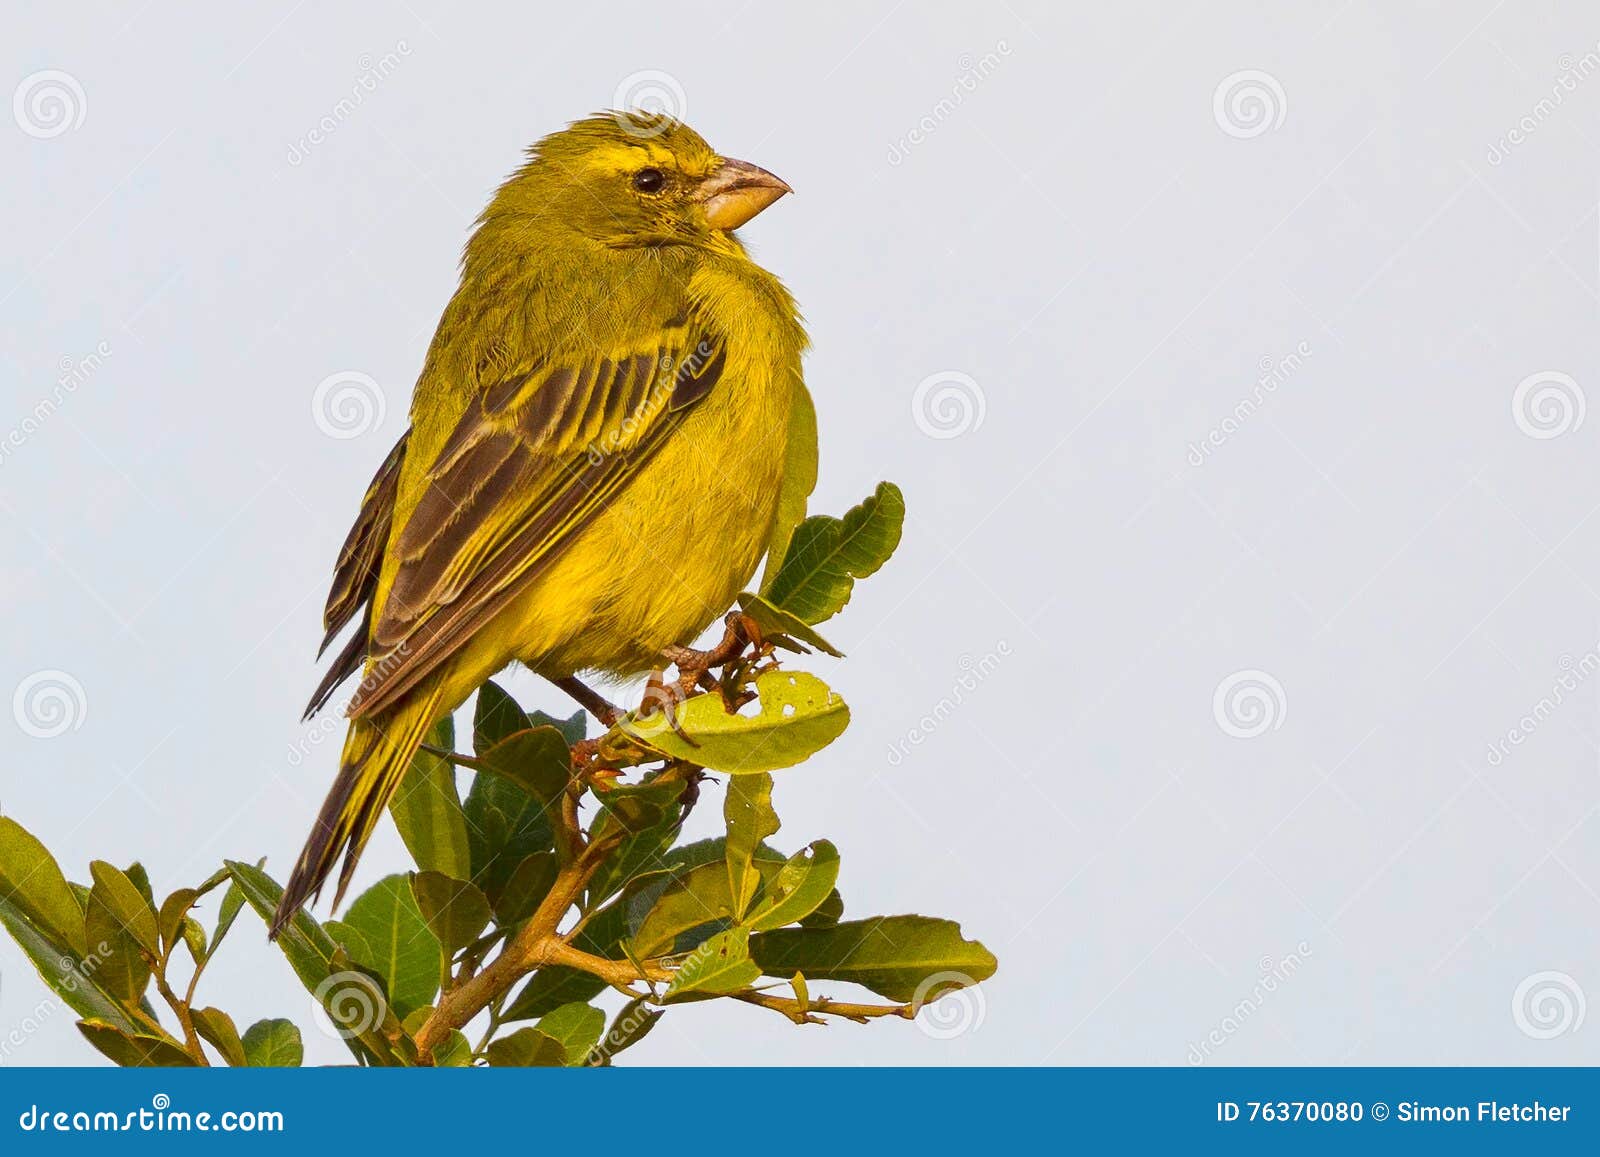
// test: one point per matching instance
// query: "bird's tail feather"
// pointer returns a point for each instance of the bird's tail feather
(376, 753)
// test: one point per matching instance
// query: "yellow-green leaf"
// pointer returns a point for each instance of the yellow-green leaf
(526, 1047)
(778, 624)
(798, 716)
(31, 881)
(630, 1026)
(577, 1026)
(895, 956)
(747, 811)
(134, 1050)
(454, 910)
(217, 1029)
(120, 925)
(721, 965)
(798, 889)
(273, 1044)
(170, 920)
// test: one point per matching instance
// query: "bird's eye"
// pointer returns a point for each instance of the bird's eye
(649, 180)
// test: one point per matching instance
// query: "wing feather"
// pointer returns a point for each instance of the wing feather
(522, 474)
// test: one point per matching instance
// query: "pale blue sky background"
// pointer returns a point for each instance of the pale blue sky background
(1103, 255)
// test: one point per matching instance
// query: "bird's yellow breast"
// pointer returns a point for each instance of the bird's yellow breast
(669, 554)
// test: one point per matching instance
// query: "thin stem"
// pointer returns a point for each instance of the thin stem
(804, 1013)
(181, 1010)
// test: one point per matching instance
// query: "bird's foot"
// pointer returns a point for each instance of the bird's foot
(663, 698)
(695, 666)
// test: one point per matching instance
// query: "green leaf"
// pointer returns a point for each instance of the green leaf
(529, 884)
(700, 896)
(537, 760)
(828, 913)
(134, 1050)
(454, 910)
(495, 716)
(169, 922)
(195, 937)
(505, 824)
(396, 943)
(650, 812)
(217, 1029)
(71, 977)
(577, 1026)
(778, 624)
(827, 555)
(799, 888)
(692, 895)
(573, 728)
(526, 1047)
(798, 717)
(427, 811)
(232, 902)
(747, 810)
(32, 884)
(721, 965)
(895, 956)
(119, 919)
(799, 479)
(454, 1053)
(127, 902)
(316, 960)
(273, 1044)
(141, 880)
(630, 1026)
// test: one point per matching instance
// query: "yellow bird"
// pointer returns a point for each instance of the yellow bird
(595, 457)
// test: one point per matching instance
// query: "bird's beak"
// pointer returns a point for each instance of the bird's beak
(737, 191)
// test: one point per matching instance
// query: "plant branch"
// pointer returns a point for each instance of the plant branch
(804, 1012)
(535, 945)
(180, 1009)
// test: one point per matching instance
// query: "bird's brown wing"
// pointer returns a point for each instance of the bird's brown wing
(542, 452)
(355, 575)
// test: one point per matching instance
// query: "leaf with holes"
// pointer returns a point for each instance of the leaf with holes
(797, 717)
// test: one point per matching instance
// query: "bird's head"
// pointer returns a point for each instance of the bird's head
(626, 179)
